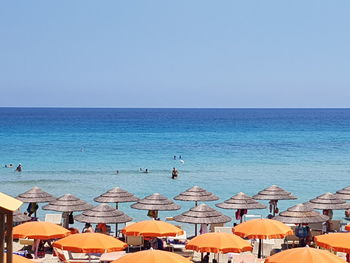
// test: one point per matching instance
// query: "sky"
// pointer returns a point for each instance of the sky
(183, 53)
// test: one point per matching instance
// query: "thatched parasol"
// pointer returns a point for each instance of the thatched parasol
(19, 217)
(202, 214)
(274, 193)
(300, 214)
(103, 213)
(241, 201)
(35, 195)
(344, 193)
(196, 194)
(116, 195)
(329, 201)
(67, 203)
(156, 202)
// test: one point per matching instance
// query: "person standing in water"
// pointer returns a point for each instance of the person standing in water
(174, 173)
(19, 168)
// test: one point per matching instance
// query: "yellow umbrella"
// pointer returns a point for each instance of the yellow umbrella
(152, 256)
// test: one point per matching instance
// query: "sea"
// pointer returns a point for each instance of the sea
(225, 151)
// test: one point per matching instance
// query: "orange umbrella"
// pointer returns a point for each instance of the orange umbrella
(347, 227)
(339, 242)
(216, 242)
(262, 229)
(39, 230)
(152, 256)
(305, 255)
(90, 243)
(152, 228)
(18, 259)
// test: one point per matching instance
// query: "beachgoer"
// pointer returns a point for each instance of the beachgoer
(31, 209)
(146, 171)
(174, 173)
(117, 172)
(19, 168)
(101, 228)
(174, 157)
(88, 228)
(206, 258)
(179, 156)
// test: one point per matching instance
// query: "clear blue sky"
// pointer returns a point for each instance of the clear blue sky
(183, 53)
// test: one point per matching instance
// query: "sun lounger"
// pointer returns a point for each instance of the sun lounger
(223, 229)
(134, 241)
(54, 218)
(177, 242)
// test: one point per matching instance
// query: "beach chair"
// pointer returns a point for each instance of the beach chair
(212, 226)
(172, 242)
(134, 241)
(223, 229)
(54, 218)
(335, 226)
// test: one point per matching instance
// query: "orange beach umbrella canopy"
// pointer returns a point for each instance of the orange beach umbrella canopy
(152, 228)
(304, 255)
(152, 256)
(339, 242)
(262, 229)
(39, 230)
(216, 242)
(347, 227)
(90, 243)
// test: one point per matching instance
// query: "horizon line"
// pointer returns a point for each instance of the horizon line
(92, 107)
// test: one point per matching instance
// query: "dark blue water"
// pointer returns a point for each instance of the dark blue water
(306, 151)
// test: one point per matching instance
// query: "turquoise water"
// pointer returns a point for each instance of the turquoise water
(77, 151)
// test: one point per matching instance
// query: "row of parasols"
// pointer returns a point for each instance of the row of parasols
(200, 214)
(209, 242)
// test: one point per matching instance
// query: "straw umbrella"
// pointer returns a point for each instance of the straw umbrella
(116, 195)
(305, 255)
(328, 202)
(202, 214)
(155, 202)
(300, 214)
(241, 201)
(152, 256)
(19, 217)
(152, 228)
(35, 195)
(67, 203)
(344, 193)
(274, 193)
(103, 213)
(262, 229)
(196, 194)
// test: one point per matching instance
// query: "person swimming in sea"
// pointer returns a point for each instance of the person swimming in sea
(174, 173)
(19, 168)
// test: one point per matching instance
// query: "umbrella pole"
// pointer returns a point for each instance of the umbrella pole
(195, 229)
(116, 225)
(260, 248)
